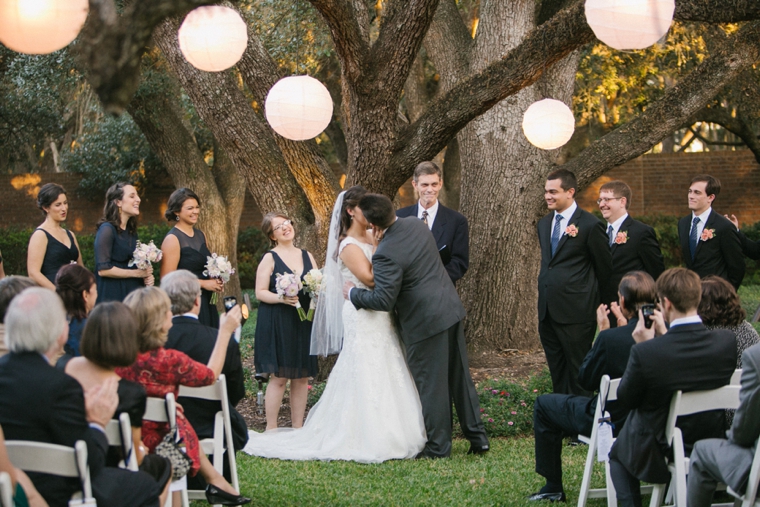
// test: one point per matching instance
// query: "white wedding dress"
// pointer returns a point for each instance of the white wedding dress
(370, 410)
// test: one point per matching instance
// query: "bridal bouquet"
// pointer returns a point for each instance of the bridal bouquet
(313, 281)
(289, 285)
(217, 266)
(144, 255)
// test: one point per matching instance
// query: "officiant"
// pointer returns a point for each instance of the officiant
(450, 228)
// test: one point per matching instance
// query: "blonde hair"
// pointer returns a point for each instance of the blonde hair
(149, 306)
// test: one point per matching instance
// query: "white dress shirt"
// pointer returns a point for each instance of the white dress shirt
(566, 215)
(702, 221)
(693, 319)
(188, 314)
(432, 212)
(616, 225)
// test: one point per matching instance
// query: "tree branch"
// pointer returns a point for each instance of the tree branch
(667, 114)
(717, 11)
(351, 44)
(448, 44)
(736, 125)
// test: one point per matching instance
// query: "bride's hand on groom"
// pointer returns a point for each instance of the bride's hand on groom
(347, 288)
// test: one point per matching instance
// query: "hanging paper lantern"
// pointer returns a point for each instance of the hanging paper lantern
(548, 124)
(213, 38)
(298, 107)
(630, 24)
(38, 27)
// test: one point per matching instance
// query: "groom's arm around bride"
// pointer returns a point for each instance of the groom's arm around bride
(410, 278)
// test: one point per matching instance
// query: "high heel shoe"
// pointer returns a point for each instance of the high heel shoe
(215, 495)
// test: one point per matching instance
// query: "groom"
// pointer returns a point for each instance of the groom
(410, 278)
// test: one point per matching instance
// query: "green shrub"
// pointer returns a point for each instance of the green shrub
(252, 244)
(666, 228)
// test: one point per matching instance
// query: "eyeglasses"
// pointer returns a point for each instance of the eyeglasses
(605, 200)
(286, 222)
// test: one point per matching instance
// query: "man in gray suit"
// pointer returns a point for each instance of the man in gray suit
(715, 460)
(410, 279)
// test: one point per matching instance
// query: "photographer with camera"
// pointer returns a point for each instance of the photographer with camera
(687, 357)
(556, 416)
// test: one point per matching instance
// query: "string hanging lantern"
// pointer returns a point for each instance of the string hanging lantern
(298, 107)
(548, 124)
(39, 27)
(213, 38)
(630, 24)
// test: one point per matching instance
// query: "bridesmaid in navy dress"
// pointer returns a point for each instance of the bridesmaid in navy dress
(115, 242)
(51, 246)
(184, 247)
(282, 341)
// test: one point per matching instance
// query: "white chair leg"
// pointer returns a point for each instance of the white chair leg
(611, 493)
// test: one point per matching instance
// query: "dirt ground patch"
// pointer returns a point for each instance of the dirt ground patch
(513, 365)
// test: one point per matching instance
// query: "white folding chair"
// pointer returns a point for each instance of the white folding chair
(54, 459)
(165, 410)
(222, 431)
(749, 498)
(6, 490)
(726, 397)
(119, 432)
(736, 378)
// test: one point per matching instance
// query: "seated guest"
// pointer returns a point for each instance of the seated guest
(43, 404)
(76, 286)
(558, 415)
(109, 341)
(24, 492)
(10, 287)
(161, 371)
(188, 335)
(729, 460)
(687, 357)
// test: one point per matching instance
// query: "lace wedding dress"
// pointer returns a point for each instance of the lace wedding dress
(370, 410)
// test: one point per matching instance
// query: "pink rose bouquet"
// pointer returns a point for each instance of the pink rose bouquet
(145, 255)
(289, 285)
(217, 266)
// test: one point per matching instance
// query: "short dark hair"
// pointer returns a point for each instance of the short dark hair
(70, 282)
(48, 194)
(425, 168)
(567, 179)
(266, 225)
(177, 200)
(10, 287)
(682, 287)
(712, 184)
(637, 288)
(109, 338)
(720, 305)
(378, 210)
(618, 189)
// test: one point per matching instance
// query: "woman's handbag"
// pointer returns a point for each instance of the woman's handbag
(172, 450)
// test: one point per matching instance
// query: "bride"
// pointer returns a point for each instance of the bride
(370, 410)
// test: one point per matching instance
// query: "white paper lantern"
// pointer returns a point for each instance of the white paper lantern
(213, 38)
(630, 24)
(298, 107)
(548, 124)
(38, 27)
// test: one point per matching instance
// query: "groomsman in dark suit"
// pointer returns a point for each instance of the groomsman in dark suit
(709, 241)
(749, 248)
(686, 356)
(449, 228)
(576, 267)
(633, 244)
(556, 416)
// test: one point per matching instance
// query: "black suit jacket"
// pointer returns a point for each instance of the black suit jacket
(689, 358)
(608, 356)
(188, 335)
(750, 248)
(43, 404)
(450, 230)
(410, 278)
(573, 282)
(641, 252)
(721, 255)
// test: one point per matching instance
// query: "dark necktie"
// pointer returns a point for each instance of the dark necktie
(609, 235)
(424, 217)
(693, 237)
(556, 233)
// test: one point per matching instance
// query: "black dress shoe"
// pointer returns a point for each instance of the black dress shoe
(478, 449)
(215, 495)
(551, 497)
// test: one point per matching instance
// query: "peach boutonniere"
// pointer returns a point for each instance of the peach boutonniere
(707, 234)
(571, 230)
(621, 238)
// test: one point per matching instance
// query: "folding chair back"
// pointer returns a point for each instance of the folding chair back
(53, 459)
(726, 397)
(6, 490)
(736, 378)
(165, 410)
(119, 432)
(222, 430)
